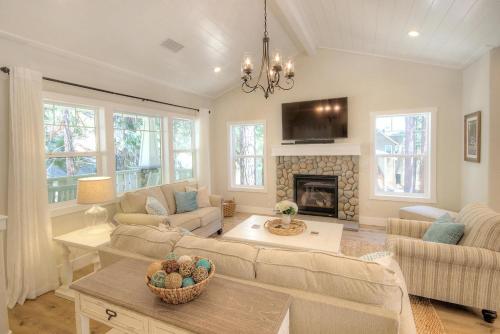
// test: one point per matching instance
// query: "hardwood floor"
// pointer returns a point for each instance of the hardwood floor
(50, 314)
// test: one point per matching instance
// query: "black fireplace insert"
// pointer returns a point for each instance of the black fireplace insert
(316, 194)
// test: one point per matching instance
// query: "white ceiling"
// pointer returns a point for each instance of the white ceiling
(127, 34)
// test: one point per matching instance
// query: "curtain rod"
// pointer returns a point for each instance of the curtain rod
(143, 99)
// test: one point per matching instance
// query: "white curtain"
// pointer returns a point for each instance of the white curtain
(203, 148)
(31, 269)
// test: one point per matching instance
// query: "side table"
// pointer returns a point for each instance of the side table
(89, 238)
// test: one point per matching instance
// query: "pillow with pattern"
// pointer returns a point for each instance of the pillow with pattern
(154, 207)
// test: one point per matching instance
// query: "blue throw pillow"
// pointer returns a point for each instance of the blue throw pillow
(444, 230)
(186, 201)
(446, 218)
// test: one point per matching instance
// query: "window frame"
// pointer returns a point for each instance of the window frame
(98, 154)
(430, 195)
(163, 164)
(231, 185)
(193, 150)
(105, 140)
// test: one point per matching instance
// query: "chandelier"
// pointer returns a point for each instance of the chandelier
(272, 70)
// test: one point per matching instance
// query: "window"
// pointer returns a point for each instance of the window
(71, 147)
(138, 157)
(403, 156)
(247, 142)
(183, 148)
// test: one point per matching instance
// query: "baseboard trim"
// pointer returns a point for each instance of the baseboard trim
(373, 221)
(255, 209)
(365, 220)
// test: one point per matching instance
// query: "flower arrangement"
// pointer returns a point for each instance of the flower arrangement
(287, 208)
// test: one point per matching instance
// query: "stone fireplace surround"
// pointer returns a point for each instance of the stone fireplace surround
(346, 167)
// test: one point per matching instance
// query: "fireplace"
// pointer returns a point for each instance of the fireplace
(316, 194)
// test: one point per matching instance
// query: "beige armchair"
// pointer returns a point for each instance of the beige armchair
(466, 274)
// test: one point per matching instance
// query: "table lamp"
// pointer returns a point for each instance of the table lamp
(95, 190)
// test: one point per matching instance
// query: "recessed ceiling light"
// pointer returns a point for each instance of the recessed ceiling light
(217, 69)
(413, 33)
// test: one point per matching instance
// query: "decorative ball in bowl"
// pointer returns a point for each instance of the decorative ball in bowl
(178, 280)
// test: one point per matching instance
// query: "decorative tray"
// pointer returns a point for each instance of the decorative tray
(276, 226)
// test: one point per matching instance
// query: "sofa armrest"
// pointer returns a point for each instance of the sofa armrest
(140, 219)
(216, 201)
(472, 257)
(408, 228)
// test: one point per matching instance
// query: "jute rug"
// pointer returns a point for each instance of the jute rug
(426, 318)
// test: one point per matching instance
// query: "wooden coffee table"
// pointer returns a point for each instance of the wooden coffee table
(118, 297)
(318, 235)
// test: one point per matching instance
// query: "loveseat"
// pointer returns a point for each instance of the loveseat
(131, 210)
(331, 293)
(466, 274)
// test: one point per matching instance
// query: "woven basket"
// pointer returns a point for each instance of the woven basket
(182, 295)
(229, 207)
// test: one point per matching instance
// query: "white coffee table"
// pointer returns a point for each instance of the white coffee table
(318, 235)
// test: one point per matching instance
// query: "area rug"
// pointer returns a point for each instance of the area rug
(358, 248)
(426, 318)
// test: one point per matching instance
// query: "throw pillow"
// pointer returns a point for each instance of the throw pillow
(444, 230)
(203, 197)
(186, 201)
(383, 258)
(446, 218)
(154, 207)
(375, 255)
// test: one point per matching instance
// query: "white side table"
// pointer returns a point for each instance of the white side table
(4, 321)
(89, 238)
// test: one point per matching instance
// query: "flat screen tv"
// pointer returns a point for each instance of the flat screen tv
(319, 120)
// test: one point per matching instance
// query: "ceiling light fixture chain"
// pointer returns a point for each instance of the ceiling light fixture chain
(273, 68)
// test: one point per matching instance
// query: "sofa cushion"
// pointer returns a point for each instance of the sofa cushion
(187, 220)
(146, 240)
(333, 275)
(169, 190)
(423, 213)
(157, 194)
(482, 227)
(234, 259)
(133, 202)
(207, 215)
(154, 207)
(202, 196)
(185, 201)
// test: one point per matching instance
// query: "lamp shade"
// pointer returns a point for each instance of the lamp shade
(94, 190)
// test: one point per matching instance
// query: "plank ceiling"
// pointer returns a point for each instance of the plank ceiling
(127, 34)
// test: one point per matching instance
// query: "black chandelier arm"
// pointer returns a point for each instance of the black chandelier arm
(251, 89)
(289, 82)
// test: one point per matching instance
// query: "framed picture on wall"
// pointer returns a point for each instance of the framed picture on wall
(472, 137)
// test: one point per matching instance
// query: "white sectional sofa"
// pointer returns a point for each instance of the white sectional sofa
(331, 293)
(131, 210)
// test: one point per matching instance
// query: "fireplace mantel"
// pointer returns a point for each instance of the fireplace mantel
(315, 149)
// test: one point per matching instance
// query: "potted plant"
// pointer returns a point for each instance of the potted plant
(287, 209)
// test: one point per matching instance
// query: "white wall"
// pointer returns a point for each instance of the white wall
(476, 97)
(59, 67)
(372, 84)
(494, 172)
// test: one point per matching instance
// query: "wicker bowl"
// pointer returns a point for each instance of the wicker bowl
(182, 295)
